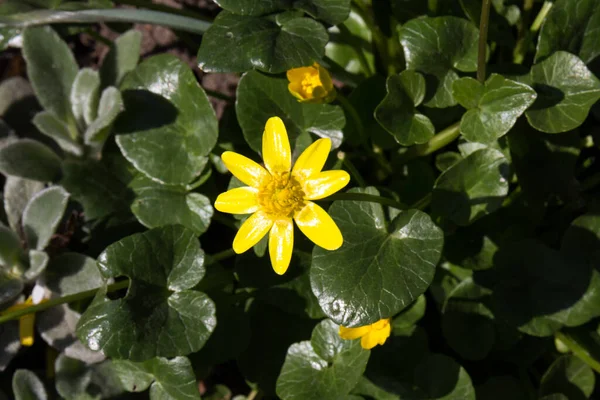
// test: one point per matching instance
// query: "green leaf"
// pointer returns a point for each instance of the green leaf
(582, 238)
(71, 273)
(51, 68)
(38, 260)
(167, 130)
(380, 269)
(111, 104)
(157, 205)
(160, 315)
(470, 335)
(397, 112)
(440, 377)
(566, 91)
(369, 389)
(78, 380)
(330, 11)
(572, 26)
(98, 186)
(51, 126)
(570, 376)
(406, 320)
(10, 286)
(29, 159)
(471, 188)
(260, 97)
(11, 253)
(350, 42)
(438, 47)
(236, 43)
(17, 193)
(173, 379)
(84, 97)
(326, 367)
(493, 108)
(121, 58)
(9, 342)
(27, 386)
(42, 216)
(501, 388)
(365, 98)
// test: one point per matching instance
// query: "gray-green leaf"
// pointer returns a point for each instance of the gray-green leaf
(84, 97)
(27, 386)
(42, 215)
(29, 159)
(122, 58)
(51, 126)
(111, 104)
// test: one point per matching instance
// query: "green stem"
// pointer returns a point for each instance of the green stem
(437, 142)
(5, 317)
(219, 95)
(354, 172)
(537, 23)
(369, 198)
(161, 7)
(252, 395)
(578, 350)
(423, 203)
(483, 32)
(378, 38)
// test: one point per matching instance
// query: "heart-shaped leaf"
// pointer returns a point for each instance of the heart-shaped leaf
(566, 91)
(157, 205)
(439, 377)
(160, 315)
(326, 367)
(493, 108)
(237, 43)
(573, 26)
(570, 376)
(331, 11)
(260, 97)
(438, 47)
(473, 187)
(42, 216)
(397, 112)
(380, 269)
(29, 159)
(166, 130)
(173, 379)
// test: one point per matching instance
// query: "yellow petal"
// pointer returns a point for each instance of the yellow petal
(312, 160)
(369, 341)
(244, 169)
(318, 226)
(277, 154)
(251, 231)
(241, 200)
(325, 78)
(354, 333)
(281, 244)
(295, 88)
(297, 74)
(325, 184)
(26, 329)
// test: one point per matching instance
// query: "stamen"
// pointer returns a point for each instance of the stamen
(281, 196)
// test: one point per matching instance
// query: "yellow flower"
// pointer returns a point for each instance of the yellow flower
(371, 335)
(25, 322)
(311, 84)
(275, 196)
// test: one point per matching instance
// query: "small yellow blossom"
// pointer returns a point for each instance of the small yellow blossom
(26, 322)
(371, 335)
(279, 194)
(311, 84)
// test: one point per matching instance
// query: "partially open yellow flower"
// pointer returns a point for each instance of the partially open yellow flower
(371, 335)
(278, 194)
(311, 84)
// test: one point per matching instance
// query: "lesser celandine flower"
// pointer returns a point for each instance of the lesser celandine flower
(279, 194)
(311, 84)
(370, 335)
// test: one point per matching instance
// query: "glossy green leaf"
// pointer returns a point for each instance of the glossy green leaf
(471, 188)
(493, 108)
(326, 367)
(438, 48)
(440, 377)
(573, 26)
(42, 216)
(111, 104)
(51, 126)
(501, 388)
(172, 379)
(236, 43)
(29, 159)
(160, 315)
(566, 91)
(260, 97)
(27, 386)
(582, 238)
(381, 268)
(84, 97)
(169, 126)
(157, 205)
(78, 380)
(570, 376)
(121, 58)
(397, 112)
(17, 193)
(51, 68)
(98, 186)
(365, 98)
(331, 11)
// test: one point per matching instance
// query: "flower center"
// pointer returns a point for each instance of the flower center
(310, 82)
(281, 196)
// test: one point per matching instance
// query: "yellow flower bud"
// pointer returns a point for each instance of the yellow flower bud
(311, 84)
